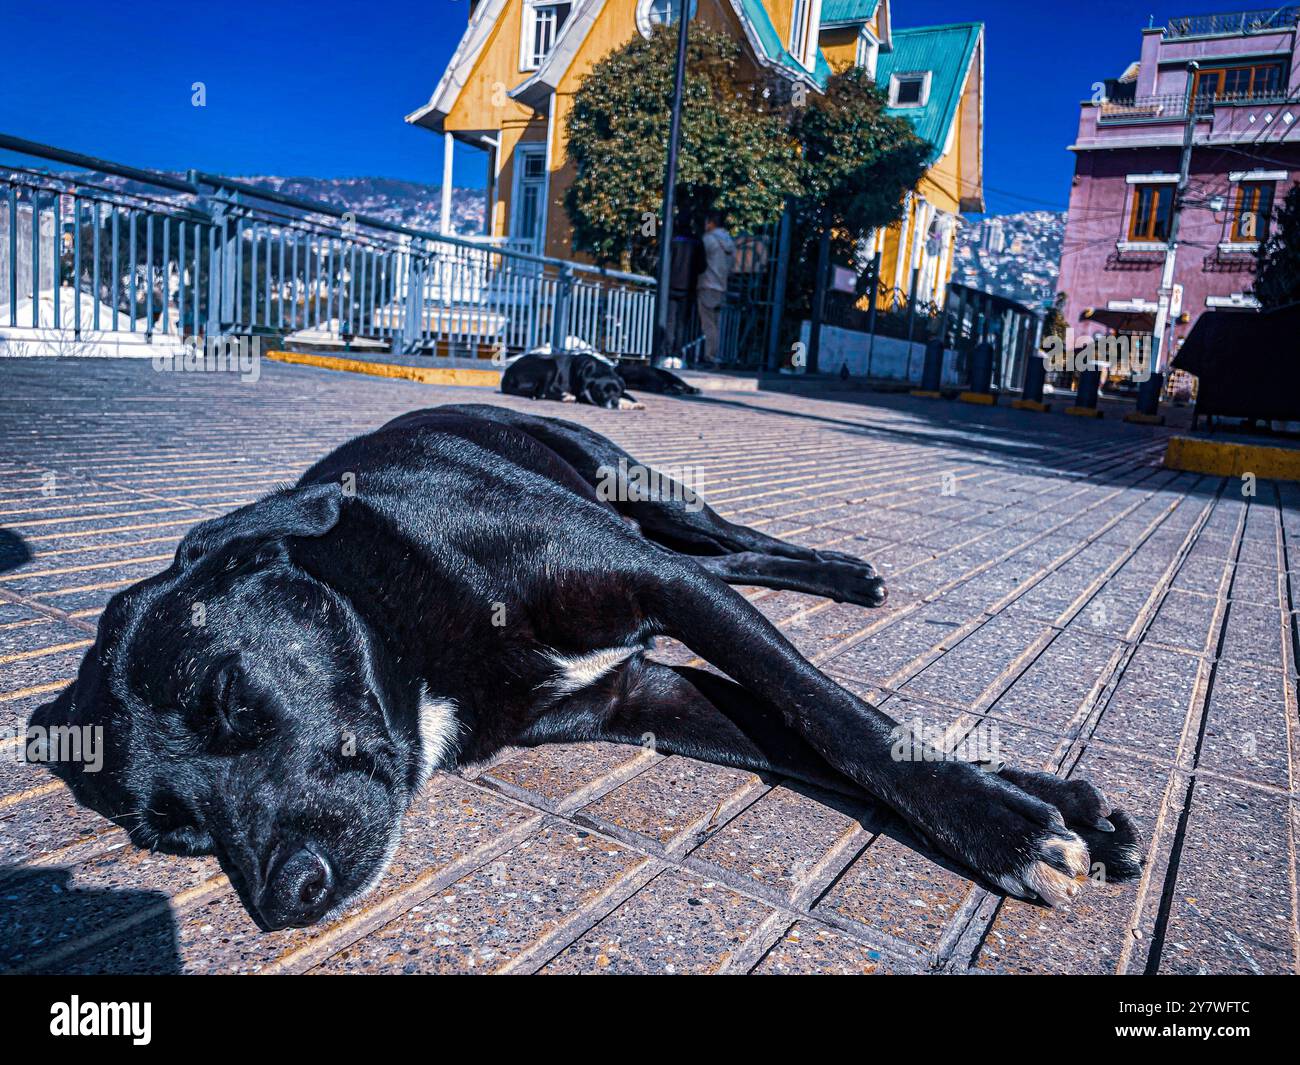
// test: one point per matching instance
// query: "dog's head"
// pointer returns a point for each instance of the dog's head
(597, 382)
(242, 708)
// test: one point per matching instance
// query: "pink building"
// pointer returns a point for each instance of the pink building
(1240, 106)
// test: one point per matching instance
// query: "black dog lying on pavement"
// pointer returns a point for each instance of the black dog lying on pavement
(467, 578)
(587, 377)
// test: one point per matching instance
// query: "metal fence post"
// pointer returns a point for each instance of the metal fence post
(560, 315)
(819, 299)
(777, 316)
(871, 311)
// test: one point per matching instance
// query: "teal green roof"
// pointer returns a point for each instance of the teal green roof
(774, 48)
(945, 51)
(835, 12)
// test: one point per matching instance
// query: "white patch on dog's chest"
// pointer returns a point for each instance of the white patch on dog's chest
(575, 672)
(438, 732)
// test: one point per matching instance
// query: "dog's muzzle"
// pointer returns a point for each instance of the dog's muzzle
(299, 889)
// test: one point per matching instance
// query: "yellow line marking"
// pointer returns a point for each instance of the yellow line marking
(22, 575)
(55, 593)
(984, 399)
(428, 375)
(30, 793)
(36, 689)
(23, 656)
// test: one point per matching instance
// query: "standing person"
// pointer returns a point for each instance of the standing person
(719, 256)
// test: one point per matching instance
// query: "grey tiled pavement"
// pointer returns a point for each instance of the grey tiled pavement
(1052, 587)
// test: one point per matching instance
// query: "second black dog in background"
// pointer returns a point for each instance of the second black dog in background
(584, 377)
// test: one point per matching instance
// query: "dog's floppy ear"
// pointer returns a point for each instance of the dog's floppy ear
(312, 510)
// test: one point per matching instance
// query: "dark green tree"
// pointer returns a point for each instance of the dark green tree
(747, 147)
(856, 162)
(736, 151)
(1277, 263)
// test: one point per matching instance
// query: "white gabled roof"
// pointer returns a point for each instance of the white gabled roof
(462, 61)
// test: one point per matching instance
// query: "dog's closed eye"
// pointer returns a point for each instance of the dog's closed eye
(233, 716)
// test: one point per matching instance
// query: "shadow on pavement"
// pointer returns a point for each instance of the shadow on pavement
(14, 551)
(42, 913)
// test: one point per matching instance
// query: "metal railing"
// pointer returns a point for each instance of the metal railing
(1176, 106)
(1266, 20)
(112, 248)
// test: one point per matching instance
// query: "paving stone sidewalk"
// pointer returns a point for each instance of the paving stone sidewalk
(1052, 589)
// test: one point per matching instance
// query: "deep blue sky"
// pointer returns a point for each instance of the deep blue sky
(321, 89)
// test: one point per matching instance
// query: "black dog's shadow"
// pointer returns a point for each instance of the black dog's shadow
(880, 821)
(36, 902)
(14, 551)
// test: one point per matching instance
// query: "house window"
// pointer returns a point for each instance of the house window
(1252, 212)
(909, 88)
(1153, 206)
(1249, 82)
(542, 24)
(652, 13)
(805, 20)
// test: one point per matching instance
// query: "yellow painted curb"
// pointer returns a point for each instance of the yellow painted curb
(926, 393)
(1232, 460)
(1138, 418)
(1085, 412)
(984, 399)
(427, 375)
(1031, 404)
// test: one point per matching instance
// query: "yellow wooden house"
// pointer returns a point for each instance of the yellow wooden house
(511, 81)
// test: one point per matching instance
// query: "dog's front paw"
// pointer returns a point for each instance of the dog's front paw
(568, 397)
(1055, 871)
(1014, 840)
(629, 404)
(1113, 838)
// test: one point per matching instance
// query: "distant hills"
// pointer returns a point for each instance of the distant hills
(1013, 255)
(407, 203)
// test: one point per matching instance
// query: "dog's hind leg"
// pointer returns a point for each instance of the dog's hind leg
(843, 582)
(667, 511)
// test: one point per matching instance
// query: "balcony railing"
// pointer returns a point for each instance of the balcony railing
(1267, 20)
(1176, 106)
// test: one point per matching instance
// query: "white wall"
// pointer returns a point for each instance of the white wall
(891, 359)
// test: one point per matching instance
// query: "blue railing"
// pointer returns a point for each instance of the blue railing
(116, 249)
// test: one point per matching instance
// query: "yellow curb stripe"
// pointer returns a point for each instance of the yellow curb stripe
(23, 656)
(983, 399)
(1085, 412)
(428, 375)
(1223, 459)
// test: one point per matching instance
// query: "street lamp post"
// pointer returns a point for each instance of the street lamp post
(1162, 333)
(670, 186)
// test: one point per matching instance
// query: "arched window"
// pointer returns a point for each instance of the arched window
(652, 13)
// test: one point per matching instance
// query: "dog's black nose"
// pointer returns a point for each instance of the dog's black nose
(299, 890)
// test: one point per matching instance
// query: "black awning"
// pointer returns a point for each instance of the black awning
(1248, 364)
